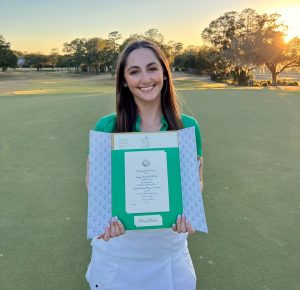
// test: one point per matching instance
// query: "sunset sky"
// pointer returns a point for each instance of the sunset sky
(40, 25)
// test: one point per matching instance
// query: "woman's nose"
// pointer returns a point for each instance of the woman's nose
(145, 77)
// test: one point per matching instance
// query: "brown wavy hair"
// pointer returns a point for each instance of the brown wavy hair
(126, 108)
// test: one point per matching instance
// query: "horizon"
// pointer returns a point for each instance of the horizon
(42, 26)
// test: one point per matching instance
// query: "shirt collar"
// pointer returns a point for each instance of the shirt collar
(137, 125)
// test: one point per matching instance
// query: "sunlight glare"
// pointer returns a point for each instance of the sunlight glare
(290, 17)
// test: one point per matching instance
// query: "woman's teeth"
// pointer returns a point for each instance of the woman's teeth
(145, 89)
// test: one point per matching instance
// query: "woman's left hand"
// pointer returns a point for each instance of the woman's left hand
(182, 225)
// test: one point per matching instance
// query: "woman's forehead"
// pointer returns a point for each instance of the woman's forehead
(141, 57)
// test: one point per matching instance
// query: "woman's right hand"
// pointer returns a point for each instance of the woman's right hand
(114, 229)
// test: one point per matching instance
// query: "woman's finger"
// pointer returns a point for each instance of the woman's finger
(189, 228)
(121, 226)
(112, 228)
(106, 236)
(178, 224)
(174, 227)
(100, 236)
(118, 229)
(183, 224)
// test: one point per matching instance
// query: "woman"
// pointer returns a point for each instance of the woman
(148, 259)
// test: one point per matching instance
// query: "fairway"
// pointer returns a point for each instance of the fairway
(251, 145)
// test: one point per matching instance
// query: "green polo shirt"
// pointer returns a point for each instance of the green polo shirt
(108, 123)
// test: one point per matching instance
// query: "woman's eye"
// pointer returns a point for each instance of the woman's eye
(133, 72)
(153, 69)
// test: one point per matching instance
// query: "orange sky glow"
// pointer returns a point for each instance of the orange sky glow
(43, 25)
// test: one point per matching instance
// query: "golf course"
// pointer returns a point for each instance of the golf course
(251, 150)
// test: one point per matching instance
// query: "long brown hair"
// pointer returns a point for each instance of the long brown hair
(125, 105)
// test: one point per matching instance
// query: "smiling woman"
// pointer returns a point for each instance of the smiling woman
(145, 102)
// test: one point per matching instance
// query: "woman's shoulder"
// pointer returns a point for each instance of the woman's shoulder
(188, 121)
(106, 123)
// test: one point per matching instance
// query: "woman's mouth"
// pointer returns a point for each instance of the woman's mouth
(146, 88)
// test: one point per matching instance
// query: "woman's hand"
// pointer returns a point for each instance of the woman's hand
(114, 229)
(182, 225)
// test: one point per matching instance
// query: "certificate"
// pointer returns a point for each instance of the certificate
(146, 182)
(146, 179)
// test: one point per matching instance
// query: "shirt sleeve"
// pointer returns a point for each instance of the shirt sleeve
(106, 124)
(100, 125)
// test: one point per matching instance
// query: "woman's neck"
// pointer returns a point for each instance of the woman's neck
(150, 118)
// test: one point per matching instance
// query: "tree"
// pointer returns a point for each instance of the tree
(7, 57)
(76, 50)
(64, 61)
(249, 39)
(152, 35)
(96, 52)
(53, 58)
(174, 49)
(36, 60)
(131, 38)
(273, 52)
(113, 50)
(187, 59)
(210, 61)
(221, 33)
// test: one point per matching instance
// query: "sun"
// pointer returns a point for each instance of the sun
(290, 17)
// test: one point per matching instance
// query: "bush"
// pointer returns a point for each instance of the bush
(293, 83)
(286, 82)
(231, 82)
(261, 83)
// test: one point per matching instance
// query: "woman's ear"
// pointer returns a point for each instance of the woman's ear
(125, 85)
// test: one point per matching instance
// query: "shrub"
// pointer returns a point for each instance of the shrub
(294, 83)
(231, 82)
(287, 82)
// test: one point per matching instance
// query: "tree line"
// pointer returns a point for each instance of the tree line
(234, 45)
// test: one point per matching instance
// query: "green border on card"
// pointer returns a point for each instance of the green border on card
(118, 189)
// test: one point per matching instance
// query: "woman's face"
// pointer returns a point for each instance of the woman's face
(144, 76)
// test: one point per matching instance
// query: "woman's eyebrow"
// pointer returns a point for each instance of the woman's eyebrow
(151, 63)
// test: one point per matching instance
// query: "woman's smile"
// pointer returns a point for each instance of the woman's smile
(146, 89)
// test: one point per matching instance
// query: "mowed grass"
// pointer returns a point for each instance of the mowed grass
(251, 141)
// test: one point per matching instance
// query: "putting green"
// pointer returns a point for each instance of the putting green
(251, 148)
